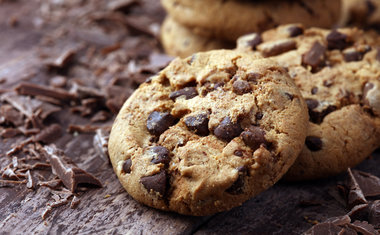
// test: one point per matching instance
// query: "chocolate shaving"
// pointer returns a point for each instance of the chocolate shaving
(63, 59)
(70, 174)
(83, 92)
(25, 88)
(30, 183)
(49, 134)
(82, 128)
(101, 116)
(100, 143)
(9, 174)
(10, 132)
(10, 183)
(53, 184)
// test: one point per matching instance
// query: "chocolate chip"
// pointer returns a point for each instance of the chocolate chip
(315, 57)
(328, 83)
(253, 77)
(188, 92)
(255, 41)
(336, 40)
(295, 31)
(259, 116)
(158, 122)
(313, 143)
(278, 47)
(156, 183)
(238, 153)
(314, 90)
(198, 123)
(127, 166)
(241, 87)
(227, 130)
(317, 117)
(290, 96)
(311, 103)
(352, 55)
(254, 137)
(238, 186)
(160, 155)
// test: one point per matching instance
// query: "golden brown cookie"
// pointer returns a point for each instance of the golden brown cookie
(229, 19)
(338, 73)
(178, 40)
(208, 132)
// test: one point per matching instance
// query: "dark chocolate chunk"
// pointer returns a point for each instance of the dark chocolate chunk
(355, 194)
(227, 130)
(160, 155)
(156, 183)
(255, 41)
(323, 228)
(158, 122)
(295, 31)
(374, 214)
(352, 55)
(241, 87)
(238, 186)
(70, 174)
(254, 137)
(253, 77)
(315, 57)
(314, 143)
(49, 134)
(314, 90)
(336, 40)
(279, 47)
(198, 123)
(311, 103)
(187, 92)
(362, 227)
(127, 166)
(369, 184)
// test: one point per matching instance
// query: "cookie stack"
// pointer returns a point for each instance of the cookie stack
(212, 130)
(195, 25)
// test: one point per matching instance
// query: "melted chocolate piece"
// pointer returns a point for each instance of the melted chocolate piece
(336, 40)
(187, 92)
(198, 123)
(227, 130)
(315, 57)
(127, 166)
(156, 183)
(158, 122)
(238, 186)
(160, 155)
(241, 87)
(295, 31)
(255, 41)
(314, 143)
(70, 174)
(254, 137)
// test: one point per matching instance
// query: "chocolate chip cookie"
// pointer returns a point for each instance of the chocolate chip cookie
(177, 40)
(338, 73)
(229, 19)
(208, 132)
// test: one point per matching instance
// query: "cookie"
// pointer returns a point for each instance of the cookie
(208, 132)
(338, 73)
(177, 40)
(229, 19)
(363, 13)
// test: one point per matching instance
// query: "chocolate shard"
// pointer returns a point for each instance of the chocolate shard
(198, 123)
(158, 122)
(324, 228)
(374, 214)
(362, 227)
(278, 47)
(187, 92)
(26, 88)
(355, 194)
(100, 143)
(49, 134)
(155, 183)
(369, 184)
(337, 40)
(70, 174)
(227, 130)
(315, 57)
(160, 154)
(254, 137)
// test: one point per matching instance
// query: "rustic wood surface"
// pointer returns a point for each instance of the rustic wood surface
(286, 208)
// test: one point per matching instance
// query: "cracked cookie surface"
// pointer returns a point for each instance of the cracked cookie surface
(208, 132)
(229, 19)
(338, 74)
